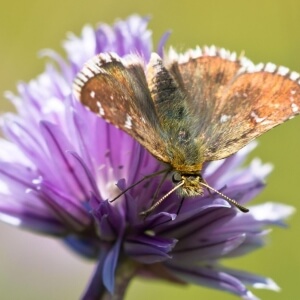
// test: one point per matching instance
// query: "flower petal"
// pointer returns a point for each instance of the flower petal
(96, 287)
(256, 281)
(207, 249)
(69, 176)
(88, 247)
(149, 249)
(110, 264)
(213, 278)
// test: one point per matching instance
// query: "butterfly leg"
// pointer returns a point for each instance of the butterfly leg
(138, 182)
(180, 205)
(159, 187)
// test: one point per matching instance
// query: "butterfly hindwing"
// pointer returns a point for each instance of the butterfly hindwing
(173, 114)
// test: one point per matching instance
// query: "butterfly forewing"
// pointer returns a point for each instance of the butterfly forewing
(274, 99)
(233, 102)
(117, 90)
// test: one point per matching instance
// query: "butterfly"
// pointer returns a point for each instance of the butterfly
(191, 108)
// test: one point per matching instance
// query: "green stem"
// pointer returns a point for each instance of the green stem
(124, 274)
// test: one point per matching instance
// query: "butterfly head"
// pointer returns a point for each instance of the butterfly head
(191, 183)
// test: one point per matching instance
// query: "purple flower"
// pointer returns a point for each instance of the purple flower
(60, 165)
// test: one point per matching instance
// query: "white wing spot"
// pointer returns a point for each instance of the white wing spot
(294, 76)
(294, 107)
(223, 53)
(197, 52)
(111, 97)
(293, 92)
(276, 105)
(211, 51)
(256, 118)
(78, 83)
(258, 68)
(283, 71)
(101, 110)
(173, 55)
(224, 118)
(246, 65)
(82, 77)
(103, 56)
(232, 56)
(266, 122)
(128, 123)
(92, 94)
(270, 67)
(87, 72)
(184, 58)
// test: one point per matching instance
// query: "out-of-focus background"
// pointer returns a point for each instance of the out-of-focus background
(34, 267)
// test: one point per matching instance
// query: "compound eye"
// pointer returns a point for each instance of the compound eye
(176, 177)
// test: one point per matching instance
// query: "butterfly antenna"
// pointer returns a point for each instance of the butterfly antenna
(136, 183)
(149, 210)
(236, 204)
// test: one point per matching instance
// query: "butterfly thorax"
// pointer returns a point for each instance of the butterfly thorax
(186, 163)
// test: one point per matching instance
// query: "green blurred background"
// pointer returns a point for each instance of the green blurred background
(33, 267)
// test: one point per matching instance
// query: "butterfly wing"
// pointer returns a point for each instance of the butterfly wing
(116, 89)
(173, 112)
(231, 100)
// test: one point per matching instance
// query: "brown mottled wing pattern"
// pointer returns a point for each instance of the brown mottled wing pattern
(116, 90)
(232, 101)
(173, 112)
